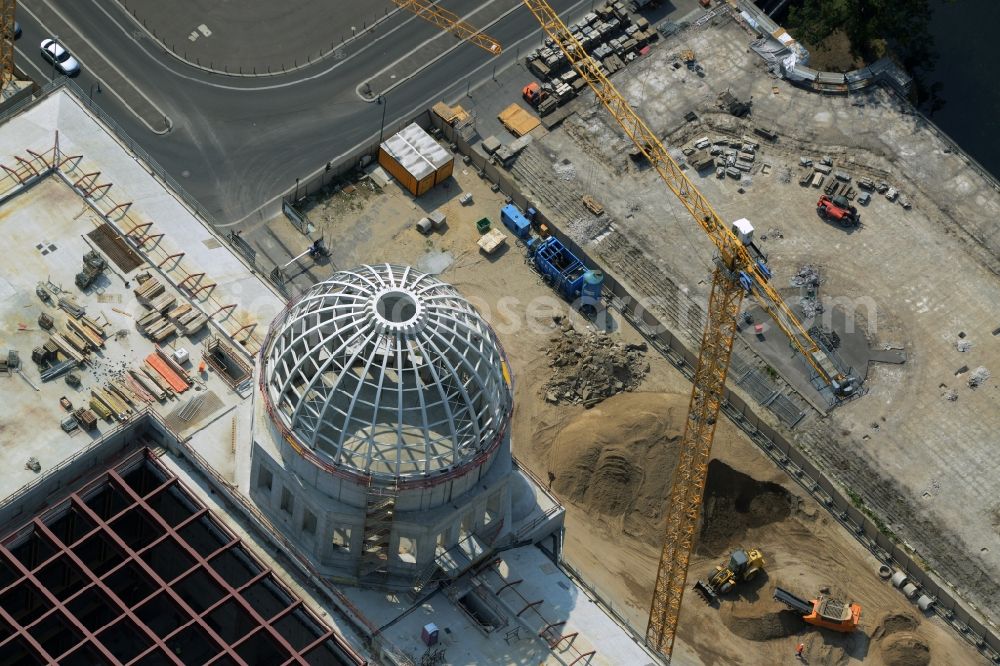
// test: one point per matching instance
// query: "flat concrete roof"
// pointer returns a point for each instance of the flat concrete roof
(46, 222)
(564, 606)
(88, 148)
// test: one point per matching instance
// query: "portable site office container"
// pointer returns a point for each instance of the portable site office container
(415, 159)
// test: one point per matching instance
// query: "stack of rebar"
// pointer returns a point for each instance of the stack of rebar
(58, 370)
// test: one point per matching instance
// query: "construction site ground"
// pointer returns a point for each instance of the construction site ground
(611, 464)
(918, 447)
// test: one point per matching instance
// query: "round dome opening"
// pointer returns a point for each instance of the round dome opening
(396, 307)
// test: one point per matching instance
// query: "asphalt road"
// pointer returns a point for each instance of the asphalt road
(238, 144)
(214, 35)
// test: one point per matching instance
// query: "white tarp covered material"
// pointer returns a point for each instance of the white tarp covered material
(416, 151)
(782, 36)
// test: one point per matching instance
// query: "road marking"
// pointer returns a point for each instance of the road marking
(433, 60)
(169, 123)
(425, 104)
(274, 86)
(424, 43)
(42, 75)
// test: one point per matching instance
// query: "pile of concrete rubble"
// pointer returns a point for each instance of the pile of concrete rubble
(589, 367)
(978, 377)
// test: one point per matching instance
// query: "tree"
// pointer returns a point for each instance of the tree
(873, 26)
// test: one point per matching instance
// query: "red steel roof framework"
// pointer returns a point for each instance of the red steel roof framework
(73, 556)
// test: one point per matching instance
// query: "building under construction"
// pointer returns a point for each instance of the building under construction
(187, 485)
(386, 447)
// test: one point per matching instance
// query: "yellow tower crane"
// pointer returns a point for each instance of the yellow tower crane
(739, 271)
(449, 21)
(6, 42)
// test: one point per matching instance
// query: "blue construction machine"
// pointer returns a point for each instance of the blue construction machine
(566, 273)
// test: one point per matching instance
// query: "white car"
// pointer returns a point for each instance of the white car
(60, 57)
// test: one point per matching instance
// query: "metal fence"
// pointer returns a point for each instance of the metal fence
(302, 194)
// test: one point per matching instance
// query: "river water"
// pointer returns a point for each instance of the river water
(967, 38)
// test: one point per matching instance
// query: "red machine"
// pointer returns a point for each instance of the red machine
(823, 611)
(533, 94)
(839, 210)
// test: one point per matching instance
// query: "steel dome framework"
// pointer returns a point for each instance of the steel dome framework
(387, 372)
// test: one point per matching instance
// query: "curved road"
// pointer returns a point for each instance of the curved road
(238, 144)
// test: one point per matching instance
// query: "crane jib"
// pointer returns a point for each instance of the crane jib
(738, 272)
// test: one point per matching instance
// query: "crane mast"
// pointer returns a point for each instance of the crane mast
(737, 273)
(449, 21)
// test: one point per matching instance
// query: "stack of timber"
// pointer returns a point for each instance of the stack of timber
(66, 348)
(174, 365)
(79, 343)
(70, 305)
(114, 404)
(188, 319)
(94, 340)
(100, 408)
(152, 375)
(118, 388)
(162, 303)
(86, 418)
(157, 324)
(137, 389)
(148, 383)
(160, 367)
(193, 322)
(148, 290)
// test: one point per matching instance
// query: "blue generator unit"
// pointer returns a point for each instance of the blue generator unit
(515, 220)
(566, 273)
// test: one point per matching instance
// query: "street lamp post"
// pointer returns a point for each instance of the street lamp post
(384, 101)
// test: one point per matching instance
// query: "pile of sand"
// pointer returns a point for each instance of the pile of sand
(905, 649)
(898, 643)
(891, 623)
(761, 620)
(617, 459)
(734, 503)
